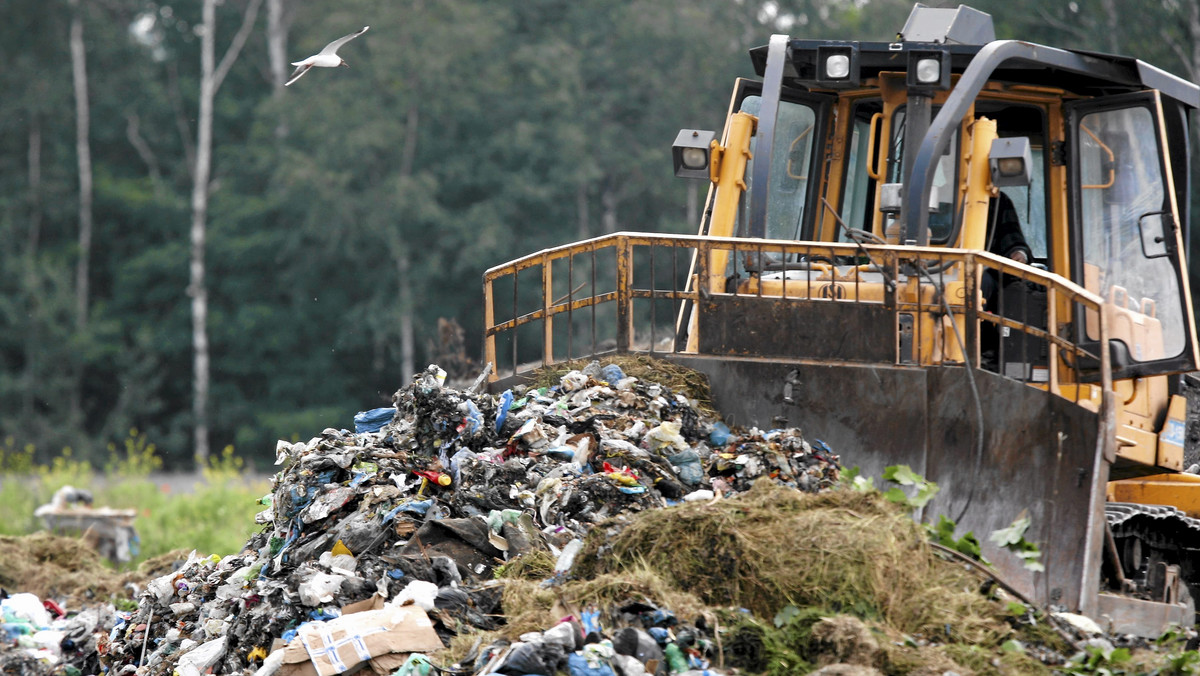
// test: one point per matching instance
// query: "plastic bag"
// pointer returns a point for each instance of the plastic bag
(199, 659)
(567, 558)
(628, 665)
(417, 592)
(666, 436)
(563, 634)
(637, 643)
(320, 588)
(612, 374)
(26, 607)
(687, 466)
(373, 420)
(416, 665)
(577, 665)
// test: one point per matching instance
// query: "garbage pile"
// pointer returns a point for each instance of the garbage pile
(650, 641)
(46, 639)
(404, 521)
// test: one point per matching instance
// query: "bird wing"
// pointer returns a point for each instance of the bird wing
(298, 74)
(332, 47)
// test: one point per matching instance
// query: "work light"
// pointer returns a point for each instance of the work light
(1010, 161)
(837, 66)
(691, 153)
(928, 71)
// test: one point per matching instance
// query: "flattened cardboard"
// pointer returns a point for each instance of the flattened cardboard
(342, 644)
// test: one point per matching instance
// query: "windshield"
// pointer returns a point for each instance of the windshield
(945, 179)
(1123, 214)
(791, 162)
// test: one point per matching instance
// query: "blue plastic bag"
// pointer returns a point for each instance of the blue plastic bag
(506, 400)
(612, 373)
(373, 420)
(577, 665)
(719, 436)
(687, 466)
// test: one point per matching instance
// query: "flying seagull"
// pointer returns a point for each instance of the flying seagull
(327, 58)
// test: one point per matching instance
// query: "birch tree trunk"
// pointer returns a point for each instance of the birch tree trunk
(83, 154)
(210, 82)
(277, 35)
(403, 264)
(35, 185)
(608, 202)
(32, 339)
(581, 211)
(407, 340)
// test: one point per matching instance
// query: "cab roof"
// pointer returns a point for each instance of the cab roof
(1080, 72)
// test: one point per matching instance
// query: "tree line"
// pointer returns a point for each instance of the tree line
(193, 250)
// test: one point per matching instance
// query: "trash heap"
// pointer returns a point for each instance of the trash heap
(45, 638)
(421, 503)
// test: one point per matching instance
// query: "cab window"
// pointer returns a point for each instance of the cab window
(791, 166)
(858, 197)
(945, 179)
(1123, 210)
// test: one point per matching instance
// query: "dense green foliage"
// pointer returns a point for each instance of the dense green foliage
(465, 133)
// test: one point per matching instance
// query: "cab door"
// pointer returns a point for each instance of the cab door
(1126, 243)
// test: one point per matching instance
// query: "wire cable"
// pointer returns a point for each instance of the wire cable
(974, 391)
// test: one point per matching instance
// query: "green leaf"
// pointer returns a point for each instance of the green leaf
(903, 475)
(943, 532)
(863, 484)
(925, 493)
(969, 545)
(896, 495)
(1016, 609)
(1120, 656)
(1013, 646)
(785, 615)
(1013, 534)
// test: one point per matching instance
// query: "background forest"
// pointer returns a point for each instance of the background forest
(190, 249)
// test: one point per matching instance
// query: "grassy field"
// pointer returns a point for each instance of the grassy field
(215, 517)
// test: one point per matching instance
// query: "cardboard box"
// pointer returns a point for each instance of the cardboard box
(382, 638)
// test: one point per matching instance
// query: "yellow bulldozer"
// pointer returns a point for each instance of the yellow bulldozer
(956, 253)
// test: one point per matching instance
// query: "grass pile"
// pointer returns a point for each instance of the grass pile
(794, 580)
(773, 547)
(69, 570)
(680, 379)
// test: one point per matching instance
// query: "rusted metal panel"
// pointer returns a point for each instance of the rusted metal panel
(873, 416)
(775, 327)
(1039, 453)
(1038, 458)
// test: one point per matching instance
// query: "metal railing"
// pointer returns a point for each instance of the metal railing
(635, 292)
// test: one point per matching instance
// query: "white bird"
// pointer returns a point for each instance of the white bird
(327, 58)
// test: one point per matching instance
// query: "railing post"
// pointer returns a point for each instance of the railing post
(489, 334)
(547, 320)
(624, 298)
(971, 274)
(699, 284)
(1052, 328)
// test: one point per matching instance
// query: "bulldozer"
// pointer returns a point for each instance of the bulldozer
(947, 251)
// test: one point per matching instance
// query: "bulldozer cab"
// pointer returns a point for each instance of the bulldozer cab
(946, 251)
(850, 145)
